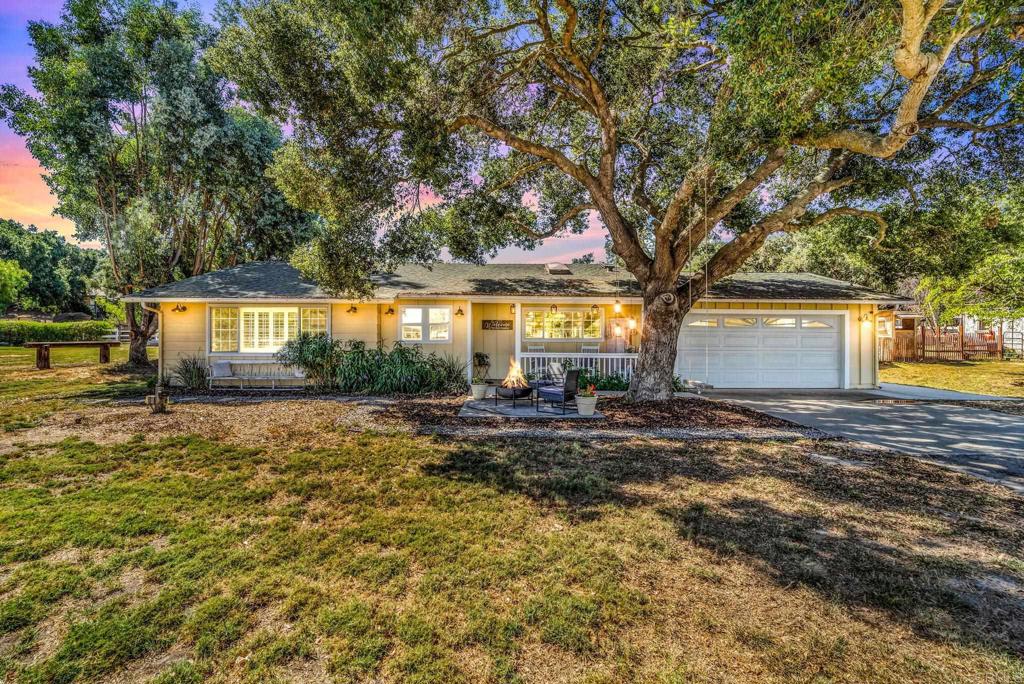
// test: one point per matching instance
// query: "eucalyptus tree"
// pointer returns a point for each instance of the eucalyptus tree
(144, 150)
(674, 122)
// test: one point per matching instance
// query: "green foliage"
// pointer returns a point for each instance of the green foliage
(13, 279)
(992, 290)
(387, 110)
(109, 310)
(603, 381)
(192, 373)
(145, 148)
(19, 332)
(59, 273)
(353, 368)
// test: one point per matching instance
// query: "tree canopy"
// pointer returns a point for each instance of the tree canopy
(475, 125)
(13, 279)
(60, 273)
(146, 149)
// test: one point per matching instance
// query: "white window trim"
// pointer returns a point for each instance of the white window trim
(297, 306)
(425, 324)
(547, 309)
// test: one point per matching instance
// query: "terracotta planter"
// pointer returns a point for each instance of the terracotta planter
(586, 405)
(479, 391)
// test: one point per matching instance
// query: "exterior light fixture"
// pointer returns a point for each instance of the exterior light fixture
(390, 311)
(460, 312)
(351, 309)
(594, 308)
(179, 308)
(631, 324)
(554, 308)
(512, 309)
(618, 330)
(617, 308)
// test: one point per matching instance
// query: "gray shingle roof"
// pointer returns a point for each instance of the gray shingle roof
(280, 280)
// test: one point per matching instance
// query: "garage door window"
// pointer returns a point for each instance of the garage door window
(815, 323)
(773, 322)
(740, 322)
(703, 323)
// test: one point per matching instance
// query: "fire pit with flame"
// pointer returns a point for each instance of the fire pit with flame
(514, 386)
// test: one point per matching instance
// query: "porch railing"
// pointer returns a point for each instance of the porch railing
(605, 364)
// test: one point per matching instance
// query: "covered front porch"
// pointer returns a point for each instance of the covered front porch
(601, 335)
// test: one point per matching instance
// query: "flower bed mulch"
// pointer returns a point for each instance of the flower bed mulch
(679, 412)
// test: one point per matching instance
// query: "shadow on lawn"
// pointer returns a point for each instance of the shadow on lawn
(939, 595)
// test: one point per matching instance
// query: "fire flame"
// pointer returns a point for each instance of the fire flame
(515, 377)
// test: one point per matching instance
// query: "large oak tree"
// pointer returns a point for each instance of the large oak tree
(669, 121)
(144, 150)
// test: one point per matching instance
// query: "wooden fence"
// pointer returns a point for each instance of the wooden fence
(923, 344)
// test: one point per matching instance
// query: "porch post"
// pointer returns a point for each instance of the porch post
(469, 341)
(518, 325)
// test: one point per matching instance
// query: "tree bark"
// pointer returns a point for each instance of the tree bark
(139, 333)
(654, 373)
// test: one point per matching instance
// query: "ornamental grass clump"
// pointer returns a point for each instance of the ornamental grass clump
(354, 368)
(192, 373)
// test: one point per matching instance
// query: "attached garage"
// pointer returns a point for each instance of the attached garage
(763, 349)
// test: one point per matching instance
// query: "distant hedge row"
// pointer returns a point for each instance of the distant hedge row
(19, 332)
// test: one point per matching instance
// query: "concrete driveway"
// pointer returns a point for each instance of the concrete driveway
(977, 441)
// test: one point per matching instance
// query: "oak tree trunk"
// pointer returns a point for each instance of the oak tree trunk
(140, 329)
(654, 373)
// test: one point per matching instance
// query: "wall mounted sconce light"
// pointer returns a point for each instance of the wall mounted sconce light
(554, 308)
(390, 311)
(631, 324)
(512, 309)
(351, 309)
(179, 308)
(617, 307)
(618, 330)
(459, 312)
(594, 308)
(865, 320)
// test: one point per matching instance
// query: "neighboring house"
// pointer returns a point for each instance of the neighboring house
(773, 330)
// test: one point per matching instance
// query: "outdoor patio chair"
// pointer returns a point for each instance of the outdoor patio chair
(560, 395)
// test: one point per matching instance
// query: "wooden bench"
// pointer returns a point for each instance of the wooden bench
(43, 350)
(248, 371)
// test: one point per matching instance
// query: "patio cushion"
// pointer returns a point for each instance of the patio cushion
(220, 369)
(556, 393)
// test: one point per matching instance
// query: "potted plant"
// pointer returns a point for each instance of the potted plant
(478, 387)
(586, 400)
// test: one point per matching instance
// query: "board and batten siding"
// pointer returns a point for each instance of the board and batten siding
(183, 334)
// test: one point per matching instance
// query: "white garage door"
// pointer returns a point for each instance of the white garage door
(763, 350)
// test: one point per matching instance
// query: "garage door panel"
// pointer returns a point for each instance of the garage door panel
(775, 360)
(741, 339)
(762, 357)
(819, 341)
(817, 361)
(742, 360)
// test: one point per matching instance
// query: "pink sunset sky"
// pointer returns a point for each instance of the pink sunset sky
(24, 196)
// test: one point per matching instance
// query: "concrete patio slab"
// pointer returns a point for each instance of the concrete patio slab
(524, 409)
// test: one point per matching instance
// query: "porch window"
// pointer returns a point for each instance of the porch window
(314, 321)
(426, 324)
(261, 330)
(265, 330)
(224, 329)
(564, 324)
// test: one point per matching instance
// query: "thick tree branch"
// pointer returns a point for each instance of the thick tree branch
(825, 216)
(560, 222)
